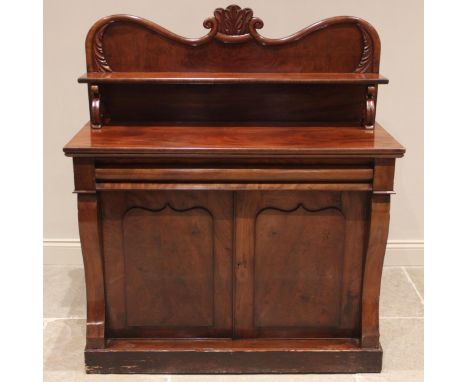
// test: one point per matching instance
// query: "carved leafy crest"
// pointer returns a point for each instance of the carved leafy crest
(233, 20)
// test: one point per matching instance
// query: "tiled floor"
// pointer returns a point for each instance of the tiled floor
(401, 333)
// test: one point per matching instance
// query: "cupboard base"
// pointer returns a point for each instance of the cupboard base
(233, 357)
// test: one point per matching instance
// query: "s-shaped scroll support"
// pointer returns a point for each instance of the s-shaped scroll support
(96, 117)
(371, 97)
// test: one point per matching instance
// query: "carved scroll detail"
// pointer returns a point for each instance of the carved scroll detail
(99, 56)
(96, 116)
(233, 21)
(370, 107)
(367, 52)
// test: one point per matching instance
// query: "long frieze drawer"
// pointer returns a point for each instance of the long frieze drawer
(362, 175)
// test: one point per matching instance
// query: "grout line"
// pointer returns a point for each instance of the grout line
(80, 265)
(51, 319)
(63, 265)
(402, 318)
(413, 284)
(356, 376)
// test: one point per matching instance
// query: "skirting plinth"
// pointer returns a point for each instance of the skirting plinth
(233, 357)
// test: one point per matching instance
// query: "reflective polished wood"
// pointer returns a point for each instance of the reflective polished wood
(233, 197)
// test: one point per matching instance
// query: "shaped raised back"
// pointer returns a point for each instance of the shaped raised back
(139, 72)
(123, 43)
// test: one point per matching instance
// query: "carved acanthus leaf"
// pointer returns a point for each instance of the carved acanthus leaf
(367, 51)
(233, 20)
(99, 56)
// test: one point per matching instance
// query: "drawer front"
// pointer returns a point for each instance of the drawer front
(336, 174)
(329, 177)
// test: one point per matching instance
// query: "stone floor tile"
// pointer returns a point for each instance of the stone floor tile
(73, 376)
(417, 276)
(64, 342)
(403, 344)
(398, 297)
(402, 339)
(64, 292)
(266, 378)
(393, 376)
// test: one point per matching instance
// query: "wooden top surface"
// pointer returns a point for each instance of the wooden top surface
(233, 140)
(231, 78)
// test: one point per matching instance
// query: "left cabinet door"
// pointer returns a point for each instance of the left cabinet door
(168, 263)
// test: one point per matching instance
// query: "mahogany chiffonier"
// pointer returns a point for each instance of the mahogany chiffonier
(233, 197)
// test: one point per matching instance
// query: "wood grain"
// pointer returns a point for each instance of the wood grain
(233, 197)
(169, 252)
(168, 260)
(124, 43)
(298, 266)
(89, 228)
(228, 357)
(219, 141)
(232, 103)
(209, 78)
(328, 68)
(378, 233)
(288, 260)
(233, 175)
(235, 186)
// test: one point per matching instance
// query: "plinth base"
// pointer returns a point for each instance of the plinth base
(226, 356)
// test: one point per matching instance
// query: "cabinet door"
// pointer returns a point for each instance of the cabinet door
(298, 263)
(168, 263)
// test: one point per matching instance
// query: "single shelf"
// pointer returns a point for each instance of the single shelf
(231, 78)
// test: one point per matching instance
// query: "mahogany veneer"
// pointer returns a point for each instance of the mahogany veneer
(231, 78)
(233, 197)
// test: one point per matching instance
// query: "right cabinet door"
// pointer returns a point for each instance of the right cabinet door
(298, 263)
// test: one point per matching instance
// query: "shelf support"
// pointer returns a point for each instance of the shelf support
(96, 115)
(371, 97)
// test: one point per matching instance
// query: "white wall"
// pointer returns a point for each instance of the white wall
(400, 108)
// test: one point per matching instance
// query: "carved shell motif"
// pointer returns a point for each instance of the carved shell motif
(233, 20)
